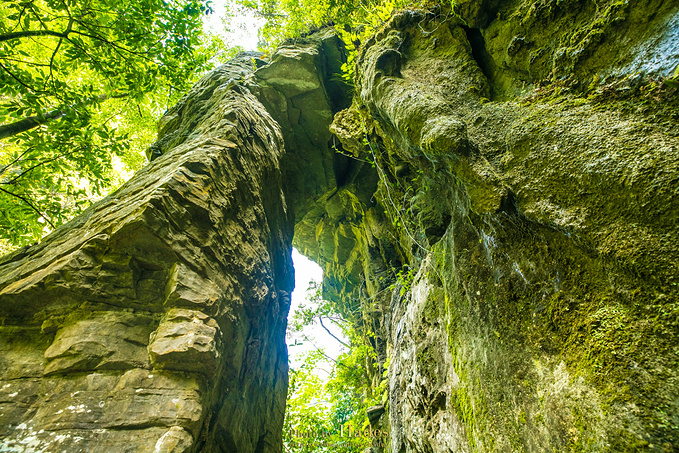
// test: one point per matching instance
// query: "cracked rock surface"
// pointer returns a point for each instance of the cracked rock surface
(155, 321)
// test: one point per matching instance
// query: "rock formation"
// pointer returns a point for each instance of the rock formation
(155, 321)
(495, 204)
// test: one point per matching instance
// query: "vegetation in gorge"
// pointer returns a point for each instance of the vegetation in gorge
(326, 416)
(330, 415)
(82, 83)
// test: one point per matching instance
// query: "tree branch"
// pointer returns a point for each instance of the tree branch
(112, 44)
(37, 15)
(33, 167)
(26, 124)
(28, 87)
(28, 63)
(31, 205)
(330, 358)
(320, 318)
(267, 15)
(17, 159)
(31, 33)
(56, 49)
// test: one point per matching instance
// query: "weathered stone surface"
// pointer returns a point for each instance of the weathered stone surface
(496, 212)
(532, 249)
(175, 440)
(99, 340)
(155, 321)
(186, 340)
(299, 87)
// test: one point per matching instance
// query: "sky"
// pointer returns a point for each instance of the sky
(305, 272)
(242, 29)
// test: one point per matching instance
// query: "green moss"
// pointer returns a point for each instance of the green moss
(431, 307)
(427, 360)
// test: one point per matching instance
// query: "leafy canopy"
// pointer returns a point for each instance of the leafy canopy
(324, 416)
(353, 20)
(80, 81)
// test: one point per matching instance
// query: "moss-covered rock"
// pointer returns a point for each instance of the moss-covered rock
(496, 211)
(546, 224)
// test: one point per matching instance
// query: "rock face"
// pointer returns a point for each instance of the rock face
(528, 189)
(156, 320)
(495, 209)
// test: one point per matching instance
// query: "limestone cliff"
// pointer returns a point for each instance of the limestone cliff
(495, 206)
(156, 320)
(517, 261)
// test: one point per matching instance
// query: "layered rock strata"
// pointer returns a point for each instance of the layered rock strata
(496, 211)
(155, 321)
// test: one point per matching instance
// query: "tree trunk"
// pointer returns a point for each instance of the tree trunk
(31, 122)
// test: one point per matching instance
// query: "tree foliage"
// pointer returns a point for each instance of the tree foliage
(292, 18)
(354, 20)
(80, 80)
(325, 416)
(329, 415)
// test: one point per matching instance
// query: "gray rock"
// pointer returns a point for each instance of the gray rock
(511, 254)
(154, 319)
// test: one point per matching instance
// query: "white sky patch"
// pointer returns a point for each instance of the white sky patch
(121, 169)
(235, 28)
(306, 271)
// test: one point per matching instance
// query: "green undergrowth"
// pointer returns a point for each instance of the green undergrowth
(328, 398)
